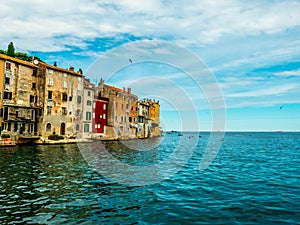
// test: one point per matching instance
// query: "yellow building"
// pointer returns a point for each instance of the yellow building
(20, 108)
(154, 111)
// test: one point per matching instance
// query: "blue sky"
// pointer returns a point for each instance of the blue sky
(251, 47)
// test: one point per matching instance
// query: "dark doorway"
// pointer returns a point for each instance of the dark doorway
(62, 129)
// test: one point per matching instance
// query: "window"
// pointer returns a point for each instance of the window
(64, 111)
(70, 98)
(50, 81)
(64, 97)
(94, 115)
(88, 102)
(50, 71)
(49, 94)
(49, 110)
(116, 118)
(78, 99)
(86, 128)
(104, 106)
(7, 80)
(77, 127)
(79, 87)
(7, 66)
(89, 93)
(78, 112)
(88, 115)
(104, 116)
(127, 106)
(122, 106)
(32, 98)
(48, 127)
(33, 86)
(7, 95)
(65, 84)
(130, 119)
(117, 104)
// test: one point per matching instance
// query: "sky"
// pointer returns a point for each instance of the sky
(245, 54)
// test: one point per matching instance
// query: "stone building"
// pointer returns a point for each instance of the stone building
(19, 94)
(144, 122)
(87, 110)
(120, 103)
(62, 92)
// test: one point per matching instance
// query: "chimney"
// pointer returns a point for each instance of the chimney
(129, 90)
(71, 68)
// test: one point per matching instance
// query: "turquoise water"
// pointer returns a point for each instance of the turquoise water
(253, 180)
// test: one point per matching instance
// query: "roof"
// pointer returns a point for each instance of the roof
(61, 69)
(100, 100)
(119, 90)
(16, 60)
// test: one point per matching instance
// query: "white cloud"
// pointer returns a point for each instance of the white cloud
(198, 22)
(294, 73)
(273, 90)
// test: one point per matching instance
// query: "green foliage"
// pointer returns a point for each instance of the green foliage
(11, 49)
(23, 56)
(20, 55)
(55, 137)
(5, 135)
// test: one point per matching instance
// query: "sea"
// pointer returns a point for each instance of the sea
(248, 178)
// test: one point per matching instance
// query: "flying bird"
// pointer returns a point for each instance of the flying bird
(281, 107)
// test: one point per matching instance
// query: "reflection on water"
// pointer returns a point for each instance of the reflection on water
(254, 179)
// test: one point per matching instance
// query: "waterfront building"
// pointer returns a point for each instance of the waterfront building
(88, 111)
(62, 101)
(144, 123)
(154, 115)
(19, 93)
(100, 117)
(120, 102)
(38, 100)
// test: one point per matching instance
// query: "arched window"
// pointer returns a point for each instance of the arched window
(48, 127)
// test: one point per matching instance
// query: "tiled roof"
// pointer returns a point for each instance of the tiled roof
(2, 56)
(60, 69)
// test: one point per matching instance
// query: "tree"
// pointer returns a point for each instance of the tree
(11, 49)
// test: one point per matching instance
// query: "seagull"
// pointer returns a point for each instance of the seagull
(281, 107)
(130, 60)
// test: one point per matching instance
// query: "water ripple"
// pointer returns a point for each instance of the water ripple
(253, 180)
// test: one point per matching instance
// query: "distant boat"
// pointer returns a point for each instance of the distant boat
(173, 131)
(180, 134)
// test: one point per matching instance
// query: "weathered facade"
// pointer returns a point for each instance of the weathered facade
(39, 100)
(62, 102)
(154, 115)
(20, 108)
(120, 102)
(88, 113)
